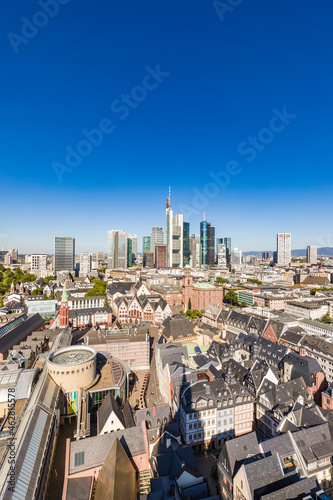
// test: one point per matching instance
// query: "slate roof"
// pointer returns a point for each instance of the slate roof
(286, 393)
(295, 491)
(178, 328)
(303, 366)
(266, 475)
(79, 488)
(291, 337)
(235, 451)
(163, 416)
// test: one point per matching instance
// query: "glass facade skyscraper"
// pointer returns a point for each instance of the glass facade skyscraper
(117, 249)
(146, 244)
(207, 241)
(64, 254)
(227, 242)
(186, 243)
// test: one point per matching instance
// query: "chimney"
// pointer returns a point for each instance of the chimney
(224, 333)
(154, 409)
(302, 352)
(168, 441)
(207, 389)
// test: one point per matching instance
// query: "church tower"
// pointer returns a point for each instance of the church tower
(187, 288)
(64, 309)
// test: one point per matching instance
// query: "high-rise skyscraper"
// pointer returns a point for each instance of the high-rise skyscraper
(85, 263)
(221, 255)
(311, 255)
(174, 236)
(117, 249)
(236, 257)
(186, 244)
(160, 256)
(227, 243)
(129, 252)
(146, 244)
(156, 238)
(64, 254)
(134, 239)
(283, 249)
(207, 241)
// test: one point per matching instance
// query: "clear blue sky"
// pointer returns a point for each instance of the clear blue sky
(221, 81)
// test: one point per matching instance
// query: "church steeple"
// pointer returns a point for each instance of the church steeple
(64, 309)
(64, 294)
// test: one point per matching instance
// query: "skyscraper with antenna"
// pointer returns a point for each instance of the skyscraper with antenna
(174, 235)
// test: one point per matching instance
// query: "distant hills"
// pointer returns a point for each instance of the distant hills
(324, 251)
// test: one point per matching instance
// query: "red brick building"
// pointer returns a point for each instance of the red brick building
(200, 294)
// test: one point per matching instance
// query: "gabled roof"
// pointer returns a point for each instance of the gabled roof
(108, 406)
(235, 451)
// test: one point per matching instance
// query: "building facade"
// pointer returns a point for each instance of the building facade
(64, 254)
(283, 251)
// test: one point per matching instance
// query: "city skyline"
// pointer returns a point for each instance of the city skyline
(236, 120)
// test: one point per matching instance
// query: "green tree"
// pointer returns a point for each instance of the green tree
(231, 298)
(99, 288)
(36, 291)
(189, 305)
(219, 279)
(313, 291)
(244, 304)
(253, 280)
(106, 303)
(48, 279)
(326, 318)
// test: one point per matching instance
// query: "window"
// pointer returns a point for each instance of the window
(79, 459)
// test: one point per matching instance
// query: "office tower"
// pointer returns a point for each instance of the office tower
(134, 239)
(221, 255)
(8, 259)
(38, 262)
(207, 241)
(134, 251)
(283, 249)
(2, 256)
(100, 255)
(236, 257)
(85, 263)
(186, 244)
(169, 217)
(156, 238)
(174, 236)
(146, 244)
(194, 239)
(27, 259)
(219, 241)
(265, 255)
(13, 252)
(198, 255)
(177, 240)
(148, 259)
(129, 252)
(117, 249)
(311, 255)
(64, 254)
(160, 256)
(227, 243)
